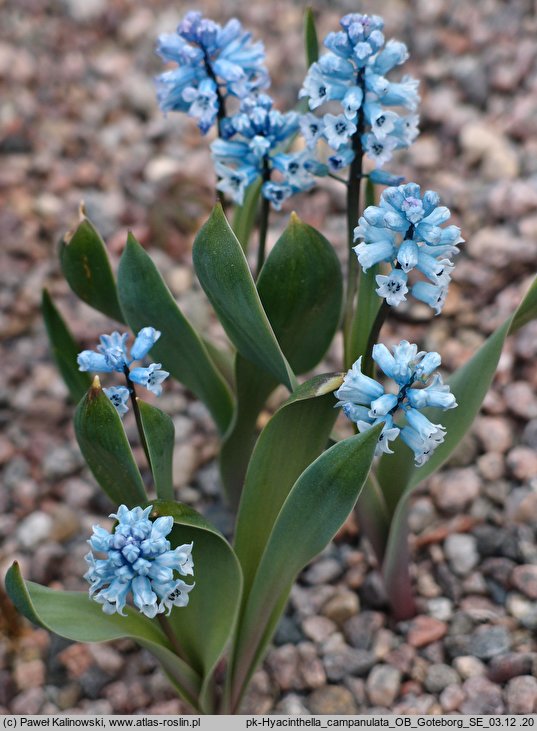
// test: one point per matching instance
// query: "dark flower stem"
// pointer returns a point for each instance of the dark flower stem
(137, 415)
(353, 210)
(170, 635)
(264, 219)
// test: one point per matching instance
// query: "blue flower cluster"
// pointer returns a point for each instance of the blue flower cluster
(112, 356)
(406, 230)
(212, 63)
(365, 401)
(139, 561)
(353, 74)
(249, 148)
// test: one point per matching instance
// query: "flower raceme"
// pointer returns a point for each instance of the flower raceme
(250, 147)
(406, 231)
(366, 402)
(139, 562)
(112, 355)
(353, 75)
(213, 62)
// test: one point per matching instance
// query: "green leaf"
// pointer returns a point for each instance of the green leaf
(104, 444)
(146, 300)
(292, 439)
(301, 289)
(75, 616)
(310, 36)
(253, 388)
(86, 267)
(159, 433)
(244, 216)
(204, 627)
(224, 275)
(315, 509)
(64, 349)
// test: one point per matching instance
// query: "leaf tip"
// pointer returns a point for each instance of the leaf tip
(95, 387)
(82, 216)
(330, 385)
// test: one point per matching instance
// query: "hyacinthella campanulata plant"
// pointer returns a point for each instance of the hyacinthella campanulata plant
(295, 483)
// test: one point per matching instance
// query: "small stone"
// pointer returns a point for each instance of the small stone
(382, 685)
(511, 665)
(488, 641)
(494, 432)
(499, 569)
(288, 632)
(481, 143)
(160, 168)
(318, 628)
(62, 462)
(461, 552)
(34, 529)
(468, 666)
(416, 705)
(482, 697)
(421, 515)
(109, 660)
(439, 676)
(291, 705)
(423, 630)
(323, 571)
(360, 630)
(30, 674)
(523, 609)
(491, 466)
(374, 591)
(185, 460)
(29, 702)
(332, 700)
(283, 665)
(345, 661)
(451, 698)
(522, 462)
(454, 490)
(310, 666)
(342, 606)
(521, 400)
(440, 608)
(521, 693)
(524, 578)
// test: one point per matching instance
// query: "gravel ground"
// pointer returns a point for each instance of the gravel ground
(79, 121)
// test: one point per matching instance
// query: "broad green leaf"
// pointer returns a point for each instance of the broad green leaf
(315, 509)
(86, 267)
(397, 474)
(146, 300)
(253, 387)
(223, 361)
(75, 616)
(103, 442)
(244, 216)
(301, 289)
(292, 439)
(159, 433)
(64, 349)
(204, 627)
(224, 275)
(310, 37)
